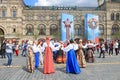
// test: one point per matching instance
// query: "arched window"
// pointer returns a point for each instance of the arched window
(14, 11)
(4, 9)
(112, 16)
(101, 28)
(41, 29)
(78, 30)
(3, 13)
(117, 16)
(53, 29)
(115, 29)
(29, 29)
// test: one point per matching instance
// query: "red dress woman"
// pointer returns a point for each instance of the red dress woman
(48, 64)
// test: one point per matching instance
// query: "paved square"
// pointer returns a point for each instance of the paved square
(103, 69)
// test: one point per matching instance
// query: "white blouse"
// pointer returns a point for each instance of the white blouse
(35, 48)
(75, 46)
(89, 44)
(51, 46)
(69, 47)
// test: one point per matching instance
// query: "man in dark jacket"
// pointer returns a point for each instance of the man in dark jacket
(3, 48)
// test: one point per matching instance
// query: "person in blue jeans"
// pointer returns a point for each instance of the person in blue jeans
(25, 49)
(9, 52)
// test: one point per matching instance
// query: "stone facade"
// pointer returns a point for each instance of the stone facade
(20, 21)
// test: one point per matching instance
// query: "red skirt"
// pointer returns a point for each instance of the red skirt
(48, 64)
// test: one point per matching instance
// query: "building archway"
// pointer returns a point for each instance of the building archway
(53, 29)
(41, 29)
(29, 29)
(1, 35)
(115, 29)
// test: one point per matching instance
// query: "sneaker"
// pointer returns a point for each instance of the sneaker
(8, 66)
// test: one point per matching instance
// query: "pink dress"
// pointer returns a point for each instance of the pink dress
(48, 64)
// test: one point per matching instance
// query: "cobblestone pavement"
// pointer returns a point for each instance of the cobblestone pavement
(103, 69)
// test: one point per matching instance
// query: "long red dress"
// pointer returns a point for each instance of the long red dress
(48, 60)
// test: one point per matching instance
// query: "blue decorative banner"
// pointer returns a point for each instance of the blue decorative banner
(67, 27)
(92, 27)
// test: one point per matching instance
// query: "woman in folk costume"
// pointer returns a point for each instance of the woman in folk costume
(30, 58)
(48, 64)
(90, 55)
(61, 57)
(36, 51)
(80, 55)
(72, 65)
(40, 50)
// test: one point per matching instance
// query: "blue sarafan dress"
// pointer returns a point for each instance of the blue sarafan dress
(72, 65)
